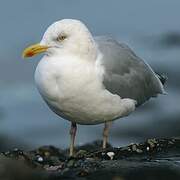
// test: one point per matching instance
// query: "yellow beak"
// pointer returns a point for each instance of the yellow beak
(34, 50)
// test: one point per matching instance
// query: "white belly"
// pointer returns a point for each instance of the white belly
(73, 90)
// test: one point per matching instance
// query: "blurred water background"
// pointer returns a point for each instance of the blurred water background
(150, 28)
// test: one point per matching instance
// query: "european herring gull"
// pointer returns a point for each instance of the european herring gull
(90, 80)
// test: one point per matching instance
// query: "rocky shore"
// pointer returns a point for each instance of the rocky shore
(153, 159)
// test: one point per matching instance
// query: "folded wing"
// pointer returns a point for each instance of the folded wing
(125, 73)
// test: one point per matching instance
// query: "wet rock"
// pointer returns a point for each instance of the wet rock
(49, 162)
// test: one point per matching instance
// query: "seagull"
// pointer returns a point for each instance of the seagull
(90, 80)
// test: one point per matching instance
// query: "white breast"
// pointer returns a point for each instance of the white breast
(73, 89)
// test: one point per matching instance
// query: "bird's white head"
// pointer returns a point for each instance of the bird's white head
(65, 36)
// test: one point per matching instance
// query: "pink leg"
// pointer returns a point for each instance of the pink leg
(73, 135)
(107, 126)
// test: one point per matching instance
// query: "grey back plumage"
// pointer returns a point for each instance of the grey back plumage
(125, 73)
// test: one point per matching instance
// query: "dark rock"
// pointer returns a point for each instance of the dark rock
(146, 160)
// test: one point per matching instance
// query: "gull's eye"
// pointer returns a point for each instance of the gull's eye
(61, 37)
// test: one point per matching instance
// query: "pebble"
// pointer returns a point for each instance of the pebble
(134, 147)
(111, 155)
(40, 159)
(81, 153)
(139, 151)
(152, 142)
(53, 168)
(71, 163)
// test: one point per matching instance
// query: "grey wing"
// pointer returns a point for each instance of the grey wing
(126, 74)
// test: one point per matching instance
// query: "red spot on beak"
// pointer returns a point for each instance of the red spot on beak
(30, 54)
